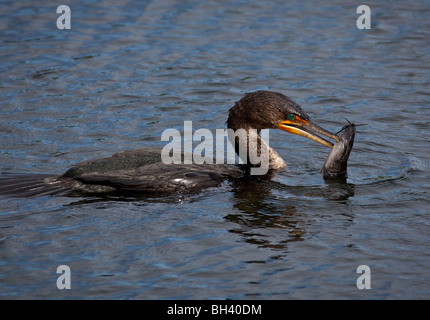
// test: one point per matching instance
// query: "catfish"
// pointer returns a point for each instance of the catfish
(336, 164)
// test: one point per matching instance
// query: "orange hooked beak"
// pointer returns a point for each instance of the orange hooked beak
(306, 128)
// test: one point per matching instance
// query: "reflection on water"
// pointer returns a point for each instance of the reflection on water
(258, 210)
(128, 70)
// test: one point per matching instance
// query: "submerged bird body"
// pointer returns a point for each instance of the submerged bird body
(130, 171)
(143, 171)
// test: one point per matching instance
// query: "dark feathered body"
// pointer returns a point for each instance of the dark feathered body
(138, 171)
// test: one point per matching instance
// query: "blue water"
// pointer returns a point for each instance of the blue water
(128, 70)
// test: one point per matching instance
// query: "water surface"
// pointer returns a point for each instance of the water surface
(127, 71)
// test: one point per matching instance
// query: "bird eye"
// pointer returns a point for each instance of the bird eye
(291, 117)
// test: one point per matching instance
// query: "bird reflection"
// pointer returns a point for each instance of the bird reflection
(262, 212)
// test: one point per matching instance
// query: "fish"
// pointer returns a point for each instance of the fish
(336, 163)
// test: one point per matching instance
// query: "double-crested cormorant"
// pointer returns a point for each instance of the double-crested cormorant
(143, 171)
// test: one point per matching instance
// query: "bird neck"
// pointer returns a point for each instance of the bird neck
(256, 147)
